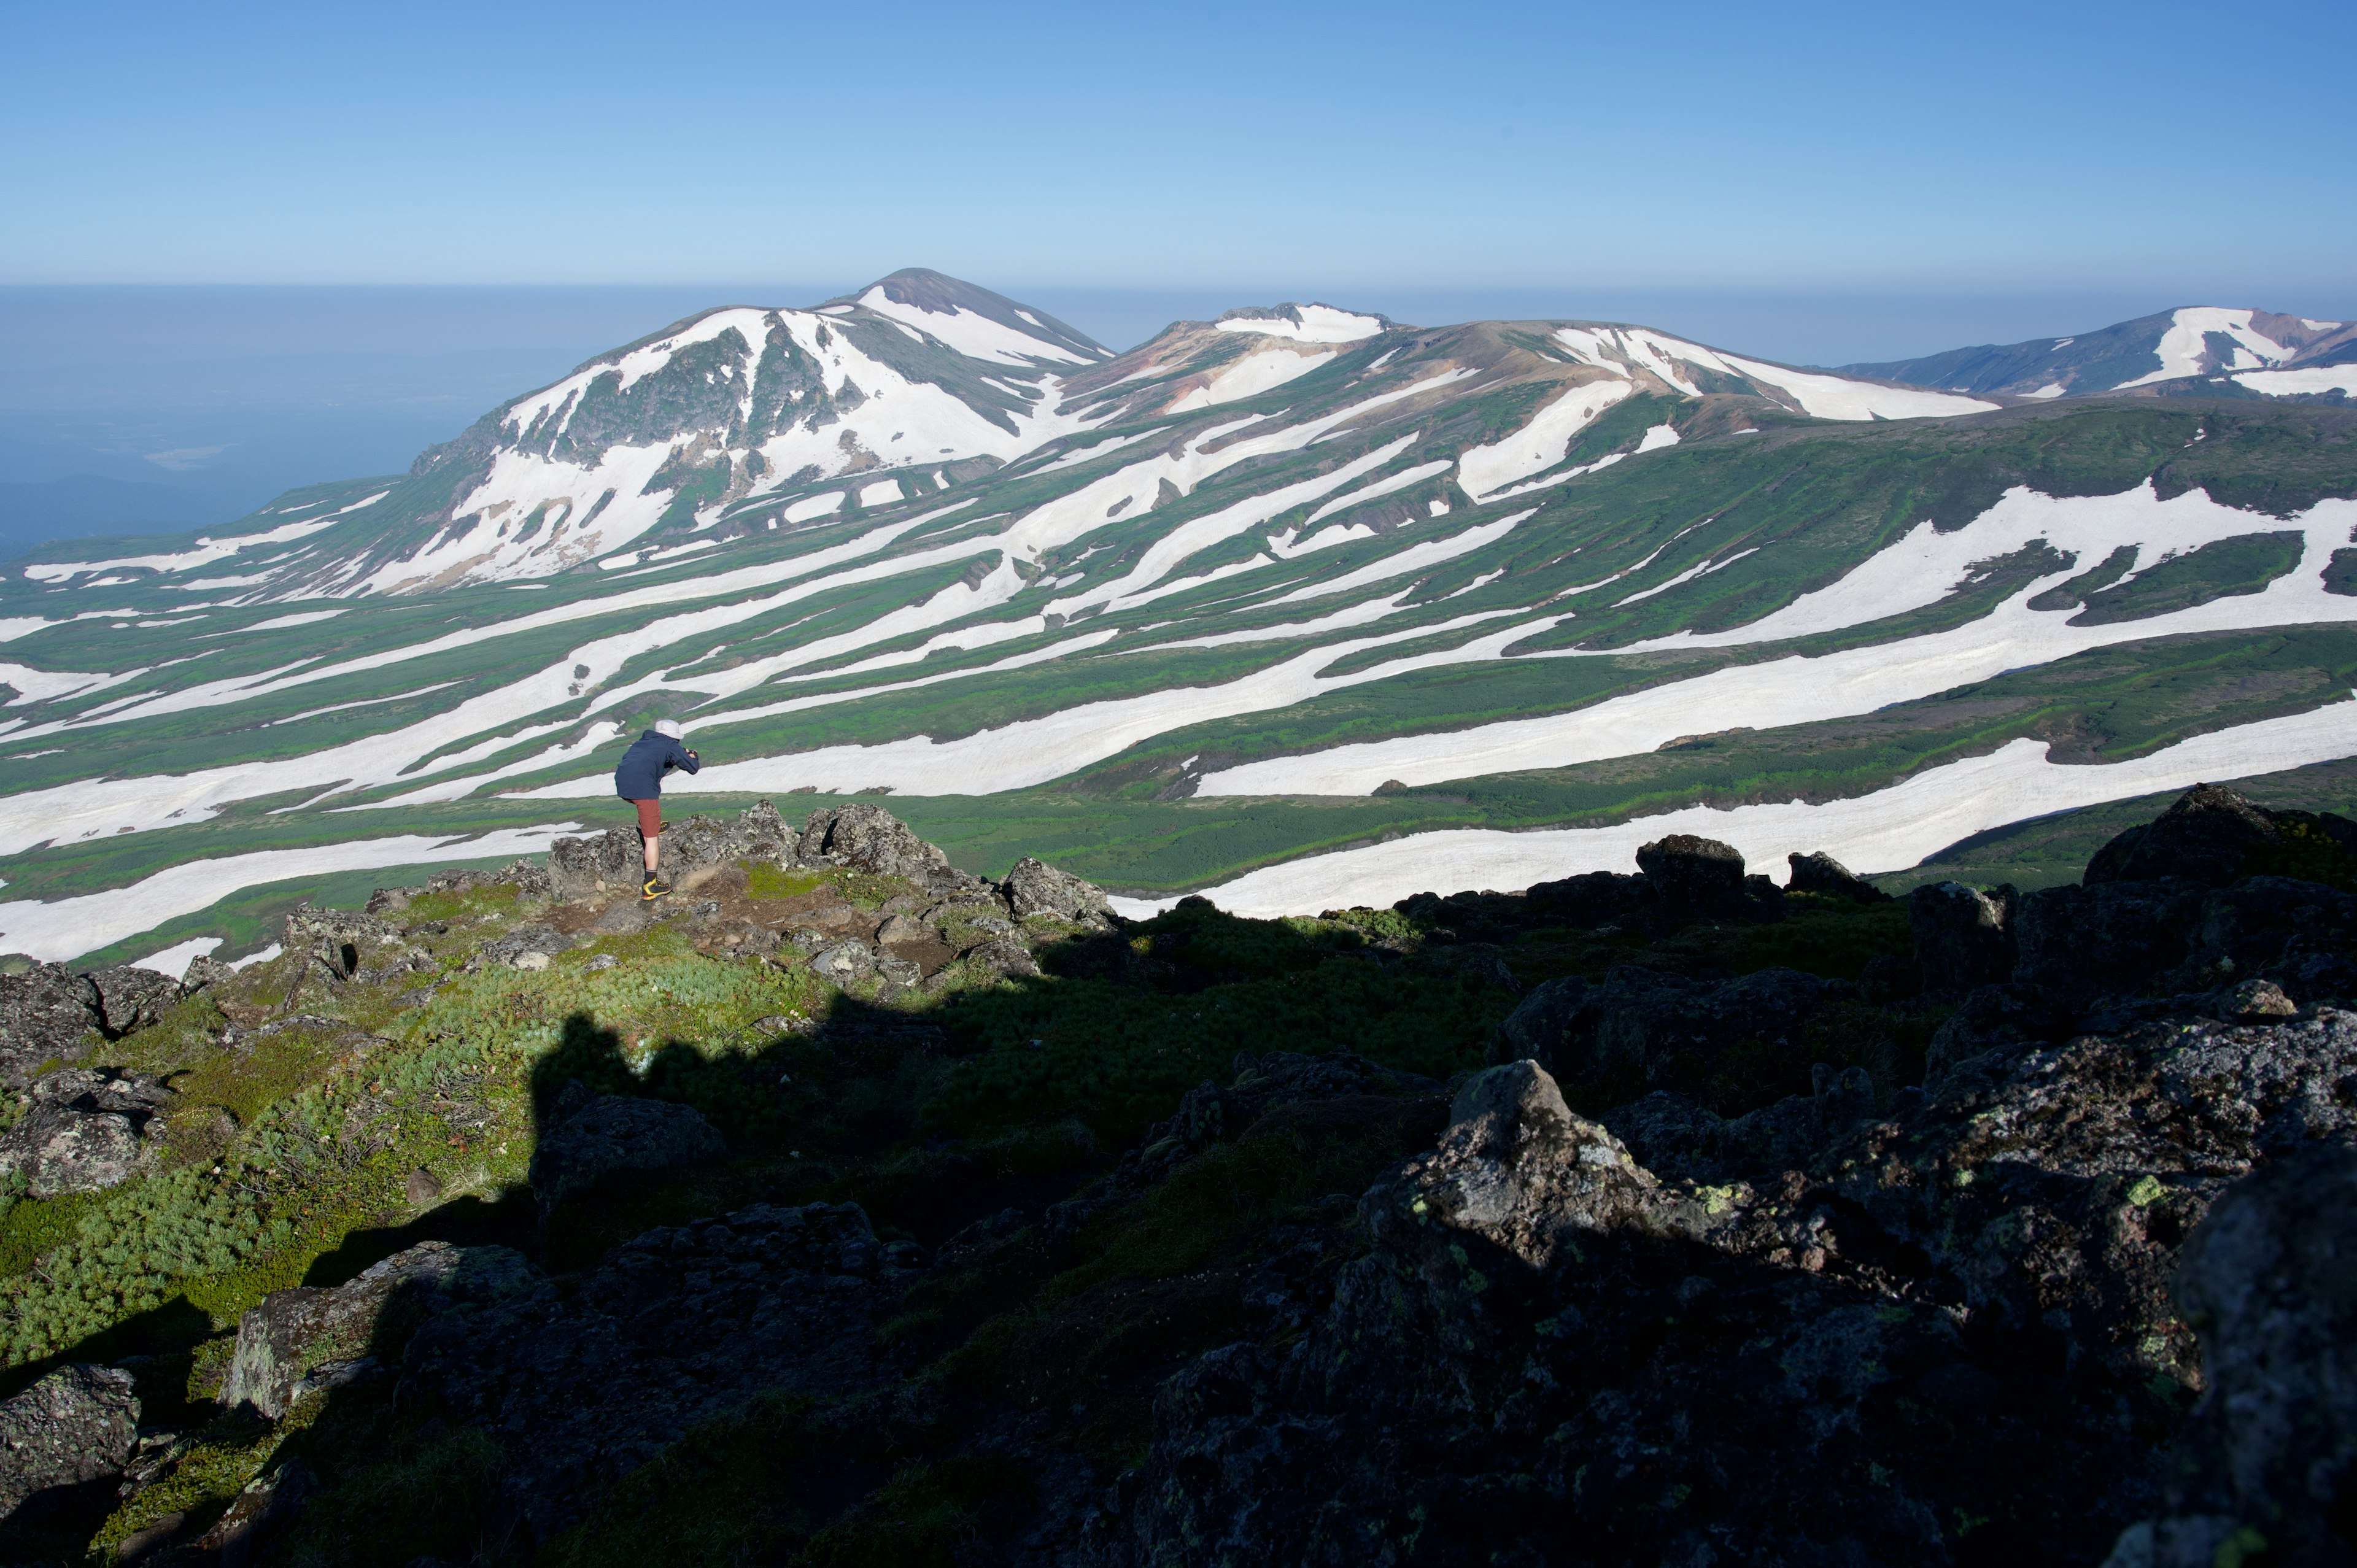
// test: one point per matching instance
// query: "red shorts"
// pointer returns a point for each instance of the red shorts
(649, 818)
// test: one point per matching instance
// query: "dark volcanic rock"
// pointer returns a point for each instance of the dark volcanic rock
(2207, 836)
(615, 860)
(1647, 1029)
(76, 1425)
(592, 1136)
(46, 1013)
(338, 945)
(1962, 938)
(583, 1383)
(2268, 1462)
(83, 1131)
(2098, 940)
(2300, 935)
(132, 998)
(1518, 1169)
(301, 1341)
(1264, 1088)
(1818, 871)
(1034, 888)
(1592, 898)
(1539, 1024)
(872, 839)
(1689, 872)
(204, 970)
(2008, 1018)
(1936, 1340)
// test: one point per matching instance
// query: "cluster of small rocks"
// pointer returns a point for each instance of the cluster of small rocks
(946, 914)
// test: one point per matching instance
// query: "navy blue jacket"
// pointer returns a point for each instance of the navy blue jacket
(639, 776)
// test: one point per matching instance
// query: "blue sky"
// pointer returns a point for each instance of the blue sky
(2195, 151)
(250, 247)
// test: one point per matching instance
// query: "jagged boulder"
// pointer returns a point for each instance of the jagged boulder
(302, 1340)
(2106, 939)
(1964, 936)
(1538, 1026)
(335, 945)
(583, 1383)
(76, 1425)
(2301, 935)
(205, 971)
(1818, 871)
(517, 947)
(48, 1013)
(82, 1130)
(614, 859)
(589, 1137)
(1035, 887)
(1517, 1168)
(2207, 836)
(2268, 1462)
(1688, 873)
(871, 839)
(843, 963)
(132, 998)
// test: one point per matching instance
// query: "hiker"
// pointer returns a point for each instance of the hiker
(638, 779)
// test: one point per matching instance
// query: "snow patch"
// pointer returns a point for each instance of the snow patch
(1307, 324)
(1888, 829)
(1541, 444)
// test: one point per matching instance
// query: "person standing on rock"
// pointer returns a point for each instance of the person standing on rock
(638, 779)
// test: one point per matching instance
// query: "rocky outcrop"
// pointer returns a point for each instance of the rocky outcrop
(75, 1426)
(2212, 836)
(585, 1382)
(131, 998)
(1818, 871)
(517, 948)
(1689, 872)
(870, 839)
(1516, 1168)
(2266, 1470)
(82, 1131)
(334, 947)
(2001, 1017)
(301, 1341)
(1964, 936)
(1675, 1361)
(589, 1137)
(528, 878)
(1035, 887)
(48, 1013)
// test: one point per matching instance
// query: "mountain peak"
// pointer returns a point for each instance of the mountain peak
(935, 302)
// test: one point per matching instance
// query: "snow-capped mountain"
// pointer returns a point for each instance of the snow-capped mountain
(2205, 348)
(925, 540)
(916, 381)
(744, 419)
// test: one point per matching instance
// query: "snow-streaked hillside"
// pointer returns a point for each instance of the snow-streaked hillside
(2228, 351)
(926, 539)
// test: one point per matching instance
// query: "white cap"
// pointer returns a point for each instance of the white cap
(668, 727)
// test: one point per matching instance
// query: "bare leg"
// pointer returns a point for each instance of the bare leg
(654, 854)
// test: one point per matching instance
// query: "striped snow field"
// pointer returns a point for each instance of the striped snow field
(1888, 829)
